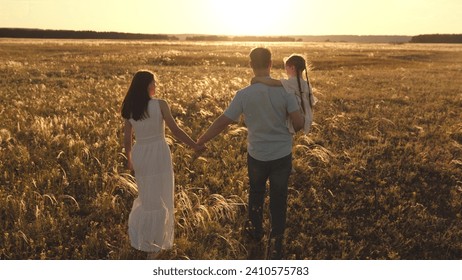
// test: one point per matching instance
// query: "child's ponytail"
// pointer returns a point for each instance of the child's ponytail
(300, 89)
(309, 87)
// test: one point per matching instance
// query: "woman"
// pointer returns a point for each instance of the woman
(151, 220)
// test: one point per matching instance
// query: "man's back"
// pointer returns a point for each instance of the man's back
(265, 111)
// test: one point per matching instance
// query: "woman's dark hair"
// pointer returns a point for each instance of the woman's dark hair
(135, 104)
(260, 58)
(300, 65)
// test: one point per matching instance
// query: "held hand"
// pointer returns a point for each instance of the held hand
(199, 149)
(200, 141)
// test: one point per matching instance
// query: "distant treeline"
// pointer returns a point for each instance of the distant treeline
(70, 34)
(242, 38)
(438, 38)
(357, 38)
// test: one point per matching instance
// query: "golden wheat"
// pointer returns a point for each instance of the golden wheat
(379, 176)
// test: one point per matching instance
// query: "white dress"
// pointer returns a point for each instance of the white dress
(291, 86)
(151, 220)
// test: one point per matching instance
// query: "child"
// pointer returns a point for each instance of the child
(295, 65)
(151, 220)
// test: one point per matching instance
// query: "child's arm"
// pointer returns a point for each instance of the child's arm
(267, 81)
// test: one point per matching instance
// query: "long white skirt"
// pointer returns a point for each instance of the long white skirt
(151, 220)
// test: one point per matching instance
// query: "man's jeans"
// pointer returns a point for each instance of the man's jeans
(278, 172)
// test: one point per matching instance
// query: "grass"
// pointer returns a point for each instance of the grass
(379, 177)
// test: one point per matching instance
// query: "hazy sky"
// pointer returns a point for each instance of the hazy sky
(238, 17)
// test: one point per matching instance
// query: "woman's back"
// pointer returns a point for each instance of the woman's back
(151, 128)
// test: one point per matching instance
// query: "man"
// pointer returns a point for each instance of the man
(269, 148)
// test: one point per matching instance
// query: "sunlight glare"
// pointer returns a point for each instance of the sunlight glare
(256, 17)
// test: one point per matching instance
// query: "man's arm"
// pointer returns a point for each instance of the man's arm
(298, 121)
(216, 128)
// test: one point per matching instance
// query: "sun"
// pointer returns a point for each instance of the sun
(250, 17)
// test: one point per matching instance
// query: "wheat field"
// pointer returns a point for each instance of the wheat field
(379, 176)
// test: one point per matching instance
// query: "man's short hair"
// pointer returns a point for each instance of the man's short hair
(260, 58)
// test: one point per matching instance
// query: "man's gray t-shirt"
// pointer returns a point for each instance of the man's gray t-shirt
(265, 112)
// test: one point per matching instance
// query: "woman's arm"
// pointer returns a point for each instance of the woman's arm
(128, 141)
(175, 129)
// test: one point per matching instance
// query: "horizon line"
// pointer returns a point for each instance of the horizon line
(228, 35)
